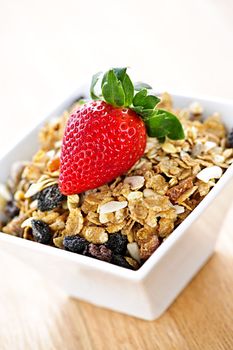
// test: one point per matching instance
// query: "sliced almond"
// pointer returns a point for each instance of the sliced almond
(27, 223)
(196, 108)
(39, 186)
(112, 206)
(135, 182)
(179, 209)
(208, 145)
(133, 250)
(212, 172)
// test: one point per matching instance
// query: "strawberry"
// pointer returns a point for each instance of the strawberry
(103, 139)
(100, 143)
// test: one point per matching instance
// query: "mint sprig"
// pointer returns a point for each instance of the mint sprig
(119, 91)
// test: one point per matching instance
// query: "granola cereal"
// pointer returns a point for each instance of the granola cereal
(122, 222)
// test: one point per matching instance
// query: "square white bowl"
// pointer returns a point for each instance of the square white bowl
(145, 293)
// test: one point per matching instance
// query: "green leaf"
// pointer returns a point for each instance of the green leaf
(94, 81)
(126, 84)
(120, 73)
(162, 124)
(112, 89)
(139, 86)
(150, 102)
(147, 102)
(139, 98)
(117, 88)
(128, 90)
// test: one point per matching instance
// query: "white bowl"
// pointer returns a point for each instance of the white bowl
(145, 293)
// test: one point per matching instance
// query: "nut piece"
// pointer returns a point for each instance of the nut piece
(27, 223)
(175, 192)
(111, 207)
(179, 209)
(147, 248)
(212, 172)
(133, 250)
(208, 145)
(135, 182)
(195, 108)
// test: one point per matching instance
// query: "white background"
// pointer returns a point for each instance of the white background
(47, 47)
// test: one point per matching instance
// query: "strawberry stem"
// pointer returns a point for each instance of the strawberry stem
(119, 91)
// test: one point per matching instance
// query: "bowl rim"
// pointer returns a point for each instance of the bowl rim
(163, 249)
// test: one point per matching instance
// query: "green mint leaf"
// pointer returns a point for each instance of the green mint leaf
(162, 124)
(112, 89)
(94, 81)
(139, 86)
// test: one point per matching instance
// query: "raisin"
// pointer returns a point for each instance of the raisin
(11, 209)
(100, 252)
(120, 261)
(230, 139)
(75, 244)
(117, 243)
(50, 198)
(41, 231)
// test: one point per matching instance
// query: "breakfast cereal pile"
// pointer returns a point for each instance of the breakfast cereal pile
(125, 221)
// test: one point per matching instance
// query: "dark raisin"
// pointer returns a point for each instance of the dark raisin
(117, 243)
(41, 231)
(50, 198)
(230, 139)
(11, 209)
(120, 261)
(75, 244)
(99, 252)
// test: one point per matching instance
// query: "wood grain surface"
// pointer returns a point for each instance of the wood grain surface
(35, 315)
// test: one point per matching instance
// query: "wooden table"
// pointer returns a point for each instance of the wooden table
(35, 315)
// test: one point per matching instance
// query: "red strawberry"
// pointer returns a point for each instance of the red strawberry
(104, 140)
(100, 143)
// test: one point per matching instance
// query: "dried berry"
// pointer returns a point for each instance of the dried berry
(41, 231)
(120, 261)
(117, 243)
(230, 139)
(75, 244)
(100, 252)
(50, 198)
(11, 209)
